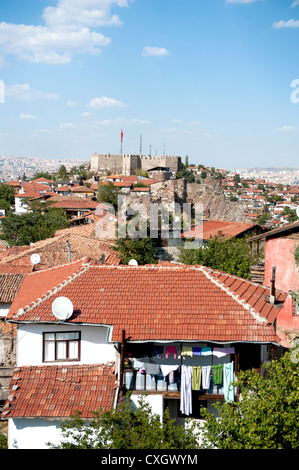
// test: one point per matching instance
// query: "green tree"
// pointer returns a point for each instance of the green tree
(291, 213)
(62, 172)
(7, 193)
(231, 256)
(3, 441)
(267, 415)
(141, 249)
(42, 174)
(127, 427)
(33, 226)
(108, 193)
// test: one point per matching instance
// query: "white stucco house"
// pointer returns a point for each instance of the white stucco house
(87, 332)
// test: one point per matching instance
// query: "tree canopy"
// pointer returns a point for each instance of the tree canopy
(127, 427)
(231, 256)
(141, 249)
(266, 416)
(33, 226)
(7, 193)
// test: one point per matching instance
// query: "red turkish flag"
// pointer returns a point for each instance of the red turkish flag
(122, 135)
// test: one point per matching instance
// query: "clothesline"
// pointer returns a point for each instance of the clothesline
(195, 378)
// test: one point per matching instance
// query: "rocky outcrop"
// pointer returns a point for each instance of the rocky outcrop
(215, 205)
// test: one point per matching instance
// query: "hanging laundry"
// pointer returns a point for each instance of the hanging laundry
(217, 374)
(206, 351)
(230, 350)
(186, 390)
(219, 352)
(228, 378)
(196, 378)
(167, 369)
(187, 351)
(137, 364)
(170, 350)
(196, 351)
(152, 369)
(206, 376)
(157, 351)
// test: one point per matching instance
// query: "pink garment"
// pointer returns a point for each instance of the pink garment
(170, 350)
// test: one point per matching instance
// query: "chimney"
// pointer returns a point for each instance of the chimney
(272, 289)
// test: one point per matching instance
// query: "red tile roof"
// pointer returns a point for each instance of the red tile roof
(211, 228)
(60, 391)
(178, 303)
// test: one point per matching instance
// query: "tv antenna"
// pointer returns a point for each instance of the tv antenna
(62, 308)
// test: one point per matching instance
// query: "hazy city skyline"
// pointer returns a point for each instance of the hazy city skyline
(214, 79)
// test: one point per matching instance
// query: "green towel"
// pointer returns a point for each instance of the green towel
(217, 374)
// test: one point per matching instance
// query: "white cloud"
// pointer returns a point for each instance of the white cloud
(27, 116)
(80, 13)
(104, 102)
(155, 51)
(287, 128)
(67, 125)
(66, 32)
(40, 44)
(26, 93)
(286, 24)
(295, 3)
(86, 114)
(71, 103)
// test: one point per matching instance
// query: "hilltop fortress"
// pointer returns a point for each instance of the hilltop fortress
(127, 164)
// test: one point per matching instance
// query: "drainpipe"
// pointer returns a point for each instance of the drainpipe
(272, 291)
(122, 360)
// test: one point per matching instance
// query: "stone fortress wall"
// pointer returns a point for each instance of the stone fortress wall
(127, 164)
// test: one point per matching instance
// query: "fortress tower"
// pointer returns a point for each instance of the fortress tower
(127, 164)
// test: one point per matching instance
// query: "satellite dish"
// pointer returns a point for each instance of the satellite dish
(35, 258)
(133, 262)
(297, 211)
(62, 308)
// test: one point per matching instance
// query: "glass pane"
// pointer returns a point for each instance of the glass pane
(50, 351)
(67, 335)
(49, 336)
(61, 350)
(73, 350)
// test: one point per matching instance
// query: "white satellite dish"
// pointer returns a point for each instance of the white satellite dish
(297, 211)
(133, 262)
(62, 308)
(35, 258)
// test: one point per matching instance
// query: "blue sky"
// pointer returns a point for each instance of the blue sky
(211, 79)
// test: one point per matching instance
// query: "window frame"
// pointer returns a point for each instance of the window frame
(56, 341)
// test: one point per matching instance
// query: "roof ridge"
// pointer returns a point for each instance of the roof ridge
(85, 267)
(254, 313)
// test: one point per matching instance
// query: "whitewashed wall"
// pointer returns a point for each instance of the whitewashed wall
(94, 347)
(32, 433)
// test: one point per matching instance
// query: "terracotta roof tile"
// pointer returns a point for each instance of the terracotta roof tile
(211, 228)
(60, 391)
(187, 302)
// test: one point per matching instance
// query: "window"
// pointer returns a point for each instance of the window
(64, 346)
